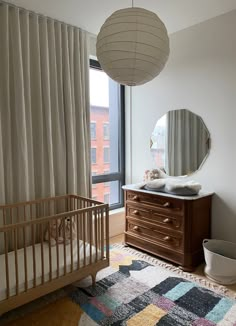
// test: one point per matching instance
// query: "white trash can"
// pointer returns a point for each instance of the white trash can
(220, 257)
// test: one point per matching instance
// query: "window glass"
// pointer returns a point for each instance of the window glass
(106, 130)
(93, 130)
(107, 198)
(106, 154)
(107, 136)
(93, 155)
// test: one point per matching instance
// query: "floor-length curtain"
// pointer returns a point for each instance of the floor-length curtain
(44, 107)
(186, 142)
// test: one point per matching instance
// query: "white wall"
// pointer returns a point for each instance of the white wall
(200, 76)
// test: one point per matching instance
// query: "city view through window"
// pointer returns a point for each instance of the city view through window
(105, 126)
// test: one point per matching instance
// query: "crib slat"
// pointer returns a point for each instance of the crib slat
(18, 220)
(99, 229)
(16, 262)
(72, 222)
(96, 233)
(42, 251)
(50, 255)
(34, 259)
(6, 253)
(90, 231)
(25, 260)
(64, 243)
(6, 263)
(71, 245)
(57, 249)
(74, 204)
(84, 233)
(78, 242)
(106, 216)
(25, 251)
(54, 212)
(33, 246)
(102, 233)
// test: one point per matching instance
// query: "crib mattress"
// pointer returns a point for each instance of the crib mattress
(38, 259)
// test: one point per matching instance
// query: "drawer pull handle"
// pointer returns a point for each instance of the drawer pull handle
(167, 220)
(136, 198)
(136, 228)
(167, 238)
(136, 212)
(167, 204)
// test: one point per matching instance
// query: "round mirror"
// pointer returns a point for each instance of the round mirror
(180, 142)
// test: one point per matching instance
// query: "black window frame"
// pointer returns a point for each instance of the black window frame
(117, 176)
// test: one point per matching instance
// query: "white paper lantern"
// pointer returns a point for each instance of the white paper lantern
(133, 46)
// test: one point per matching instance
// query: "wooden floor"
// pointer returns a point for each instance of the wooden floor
(198, 272)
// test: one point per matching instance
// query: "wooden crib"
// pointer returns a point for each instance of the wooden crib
(30, 266)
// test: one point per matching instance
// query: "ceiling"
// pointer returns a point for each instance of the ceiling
(90, 14)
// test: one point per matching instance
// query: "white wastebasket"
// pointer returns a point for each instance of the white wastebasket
(220, 257)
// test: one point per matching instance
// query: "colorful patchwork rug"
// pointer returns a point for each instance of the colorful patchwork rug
(138, 290)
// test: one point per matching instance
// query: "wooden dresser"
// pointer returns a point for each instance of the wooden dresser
(171, 227)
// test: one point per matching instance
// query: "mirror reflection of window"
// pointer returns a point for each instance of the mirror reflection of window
(179, 142)
(159, 142)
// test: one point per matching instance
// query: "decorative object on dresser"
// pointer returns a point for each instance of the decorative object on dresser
(173, 186)
(171, 227)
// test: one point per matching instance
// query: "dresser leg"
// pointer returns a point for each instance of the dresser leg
(187, 269)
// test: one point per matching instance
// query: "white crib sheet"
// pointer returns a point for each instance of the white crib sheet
(30, 272)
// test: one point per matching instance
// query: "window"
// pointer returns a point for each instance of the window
(106, 154)
(106, 131)
(93, 130)
(93, 155)
(107, 114)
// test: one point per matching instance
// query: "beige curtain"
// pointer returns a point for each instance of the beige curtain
(44, 107)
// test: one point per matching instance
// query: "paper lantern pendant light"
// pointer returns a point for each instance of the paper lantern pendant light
(133, 46)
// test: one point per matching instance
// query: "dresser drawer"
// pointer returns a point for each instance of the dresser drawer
(161, 203)
(154, 248)
(152, 215)
(172, 240)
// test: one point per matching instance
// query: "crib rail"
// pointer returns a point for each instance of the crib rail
(46, 241)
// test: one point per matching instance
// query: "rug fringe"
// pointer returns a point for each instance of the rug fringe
(220, 289)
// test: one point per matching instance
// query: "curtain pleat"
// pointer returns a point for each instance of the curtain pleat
(44, 108)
